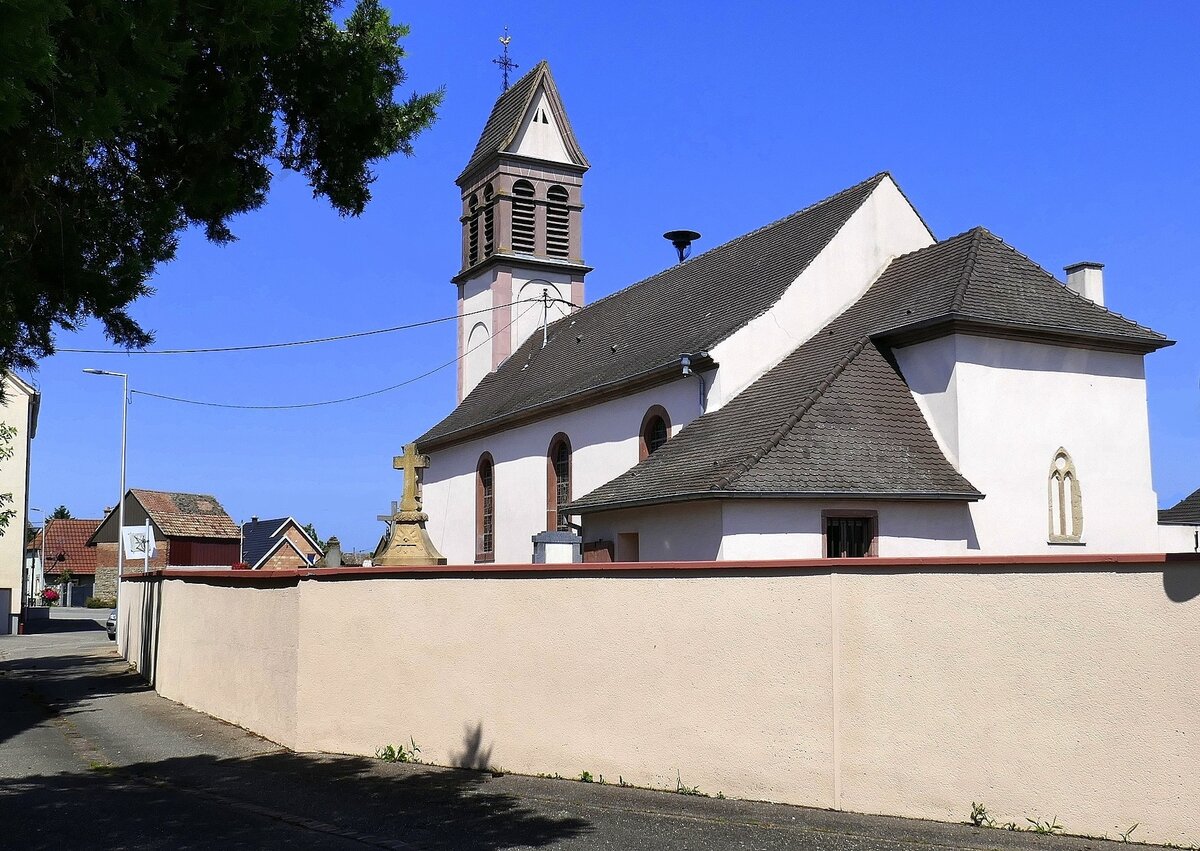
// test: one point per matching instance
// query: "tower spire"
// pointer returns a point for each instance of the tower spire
(502, 60)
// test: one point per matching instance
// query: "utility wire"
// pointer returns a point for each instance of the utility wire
(378, 392)
(292, 343)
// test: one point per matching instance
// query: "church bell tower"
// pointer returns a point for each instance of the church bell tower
(521, 226)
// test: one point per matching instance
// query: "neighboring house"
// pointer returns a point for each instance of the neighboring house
(280, 544)
(63, 549)
(20, 413)
(836, 383)
(190, 530)
(1179, 525)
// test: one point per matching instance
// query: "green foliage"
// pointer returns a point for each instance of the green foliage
(1125, 835)
(585, 777)
(122, 124)
(399, 753)
(1048, 826)
(687, 790)
(980, 817)
(311, 531)
(7, 433)
(60, 513)
(100, 603)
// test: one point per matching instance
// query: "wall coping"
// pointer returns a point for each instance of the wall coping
(948, 564)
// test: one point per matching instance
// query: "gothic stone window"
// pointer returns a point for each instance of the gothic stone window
(656, 429)
(850, 534)
(558, 483)
(1064, 501)
(485, 510)
(523, 217)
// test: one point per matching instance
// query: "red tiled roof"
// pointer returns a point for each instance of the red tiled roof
(68, 538)
(187, 515)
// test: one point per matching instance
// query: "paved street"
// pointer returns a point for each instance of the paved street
(91, 758)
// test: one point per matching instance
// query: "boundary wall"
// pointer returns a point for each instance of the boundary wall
(1039, 686)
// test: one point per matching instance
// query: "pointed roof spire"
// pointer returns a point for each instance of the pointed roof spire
(509, 111)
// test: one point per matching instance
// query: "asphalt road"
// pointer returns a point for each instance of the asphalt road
(91, 758)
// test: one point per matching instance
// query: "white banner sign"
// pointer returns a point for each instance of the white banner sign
(139, 541)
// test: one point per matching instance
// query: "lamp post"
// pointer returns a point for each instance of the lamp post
(120, 502)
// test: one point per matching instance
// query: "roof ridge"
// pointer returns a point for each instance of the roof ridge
(876, 177)
(795, 417)
(960, 293)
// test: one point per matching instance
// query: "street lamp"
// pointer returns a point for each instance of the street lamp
(121, 502)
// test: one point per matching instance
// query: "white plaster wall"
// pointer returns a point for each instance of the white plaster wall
(791, 529)
(1047, 691)
(672, 532)
(538, 140)
(884, 227)
(604, 442)
(1177, 539)
(1004, 407)
(14, 479)
(477, 297)
(529, 285)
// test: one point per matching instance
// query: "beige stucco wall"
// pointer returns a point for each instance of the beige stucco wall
(14, 479)
(1039, 691)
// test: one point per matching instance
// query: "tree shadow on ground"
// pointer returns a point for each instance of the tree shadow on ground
(54, 625)
(265, 801)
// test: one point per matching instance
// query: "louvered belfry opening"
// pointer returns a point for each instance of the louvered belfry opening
(473, 231)
(558, 223)
(489, 221)
(523, 217)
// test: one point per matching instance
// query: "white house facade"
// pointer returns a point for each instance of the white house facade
(19, 413)
(838, 383)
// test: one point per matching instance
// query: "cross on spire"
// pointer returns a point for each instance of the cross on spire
(410, 462)
(503, 61)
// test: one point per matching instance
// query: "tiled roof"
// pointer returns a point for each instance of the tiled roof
(260, 536)
(69, 538)
(187, 515)
(977, 277)
(835, 417)
(648, 325)
(510, 108)
(1186, 512)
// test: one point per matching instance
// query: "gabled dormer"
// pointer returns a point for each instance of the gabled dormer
(521, 224)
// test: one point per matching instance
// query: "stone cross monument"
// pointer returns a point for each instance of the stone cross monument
(409, 543)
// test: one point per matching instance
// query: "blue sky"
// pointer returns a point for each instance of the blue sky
(1070, 130)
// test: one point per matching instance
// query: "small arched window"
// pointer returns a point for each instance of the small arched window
(485, 509)
(1064, 500)
(523, 217)
(656, 430)
(489, 221)
(558, 484)
(473, 230)
(558, 223)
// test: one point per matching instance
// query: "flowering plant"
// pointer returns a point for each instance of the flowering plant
(49, 595)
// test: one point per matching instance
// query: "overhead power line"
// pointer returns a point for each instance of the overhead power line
(354, 398)
(314, 341)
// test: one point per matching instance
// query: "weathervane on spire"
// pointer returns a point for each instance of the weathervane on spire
(503, 61)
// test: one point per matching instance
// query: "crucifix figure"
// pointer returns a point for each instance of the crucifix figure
(503, 61)
(410, 462)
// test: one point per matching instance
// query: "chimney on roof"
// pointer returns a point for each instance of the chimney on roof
(1087, 279)
(253, 519)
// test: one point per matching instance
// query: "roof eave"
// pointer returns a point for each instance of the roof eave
(708, 495)
(941, 326)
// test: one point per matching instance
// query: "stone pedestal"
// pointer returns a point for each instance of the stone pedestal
(410, 543)
(557, 548)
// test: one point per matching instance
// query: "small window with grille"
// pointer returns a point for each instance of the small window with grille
(656, 430)
(558, 223)
(850, 535)
(558, 491)
(523, 217)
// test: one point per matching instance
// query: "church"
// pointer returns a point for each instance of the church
(839, 383)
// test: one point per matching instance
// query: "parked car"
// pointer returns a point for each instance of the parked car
(111, 625)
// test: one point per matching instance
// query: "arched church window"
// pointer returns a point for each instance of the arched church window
(473, 230)
(485, 509)
(558, 484)
(1064, 500)
(489, 221)
(656, 429)
(523, 217)
(558, 223)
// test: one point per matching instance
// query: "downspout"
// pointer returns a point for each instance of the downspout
(685, 365)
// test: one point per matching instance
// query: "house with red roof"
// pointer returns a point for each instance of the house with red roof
(61, 547)
(190, 530)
